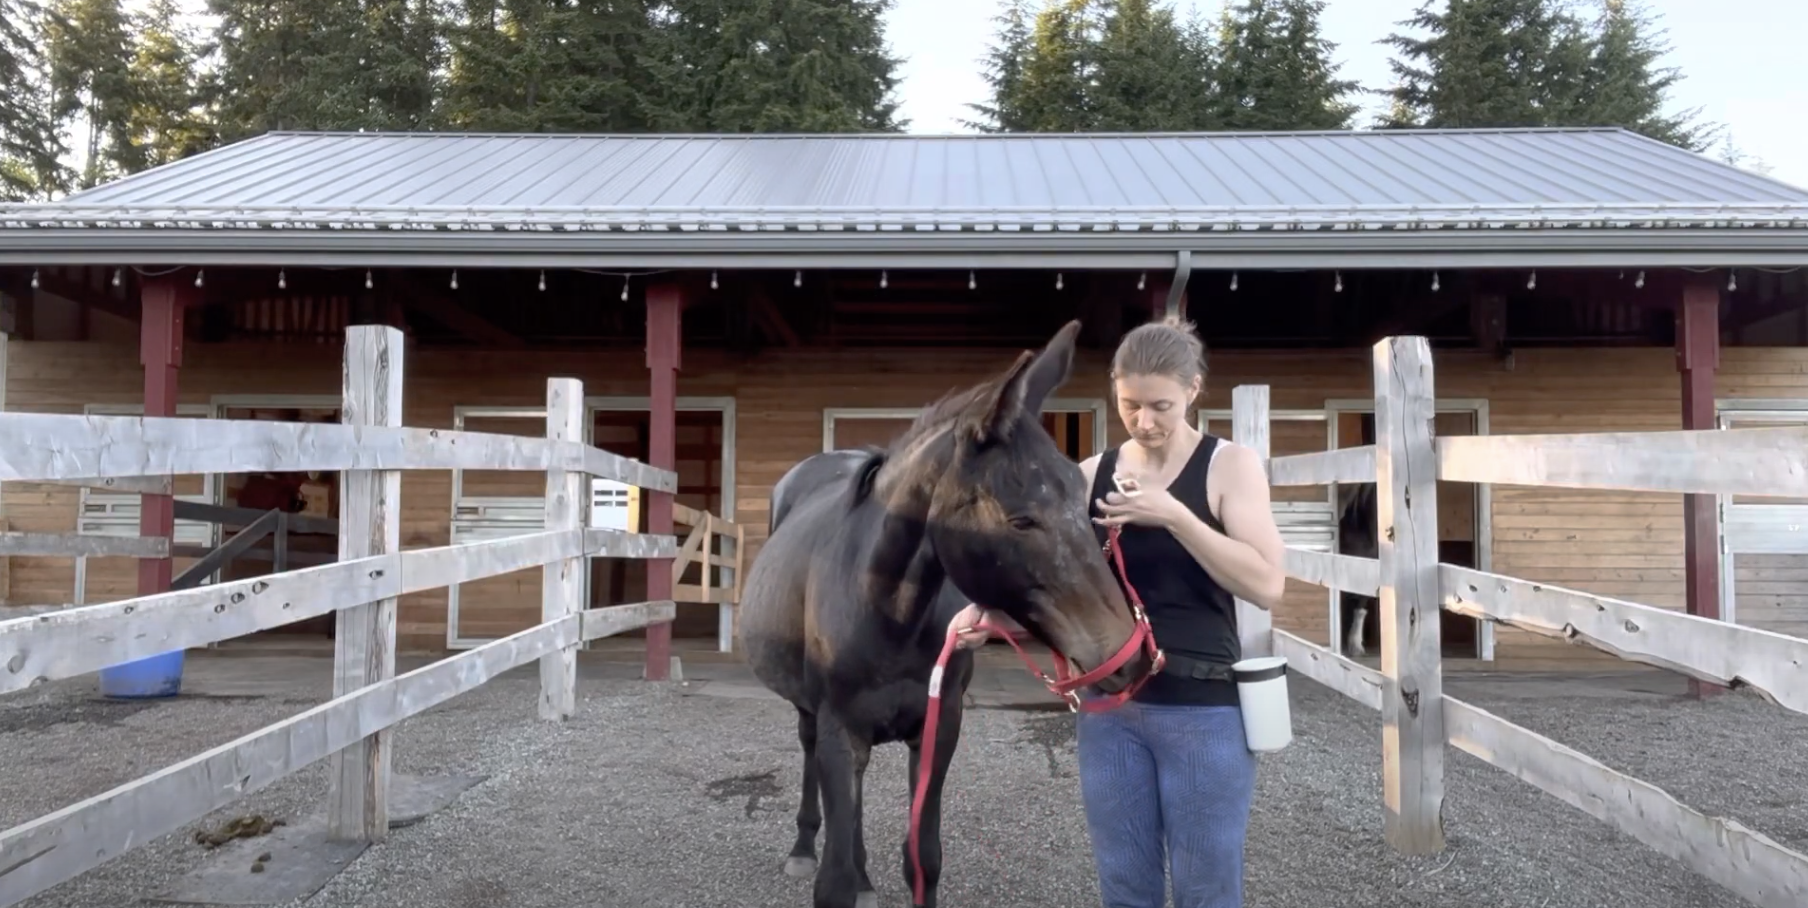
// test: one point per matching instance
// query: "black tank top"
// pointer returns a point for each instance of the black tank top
(1192, 615)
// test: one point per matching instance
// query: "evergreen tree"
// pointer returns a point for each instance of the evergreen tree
(1055, 94)
(1004, 63)
(89, 45)
(772, 66)
(549, 66)
(1625, 87)
(289, 65)
(402, 46)
(1488, 63)
(1097, 65)
(1152, 74)
(29, 146)
(1275, 70)
(169, 119)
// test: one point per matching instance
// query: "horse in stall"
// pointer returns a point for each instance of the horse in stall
(872, 552)
(1357, 534)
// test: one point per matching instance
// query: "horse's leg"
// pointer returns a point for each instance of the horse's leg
(868, 897)
(802, 861)
(929, 835)
(838, 877)
(1357, 624)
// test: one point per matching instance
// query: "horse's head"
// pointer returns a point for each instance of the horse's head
(1006, 512)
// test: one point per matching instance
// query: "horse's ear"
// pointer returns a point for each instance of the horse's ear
(1026, 386)
(1051, 367)
(991, 419)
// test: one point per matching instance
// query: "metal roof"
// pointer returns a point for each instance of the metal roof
(510, 198)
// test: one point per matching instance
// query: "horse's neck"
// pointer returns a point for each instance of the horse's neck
(900, 574)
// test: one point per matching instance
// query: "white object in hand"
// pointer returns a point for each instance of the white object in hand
(1126, 485)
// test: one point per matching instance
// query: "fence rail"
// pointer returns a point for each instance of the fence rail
(1419, 721)
(361, 587)
(719, 573)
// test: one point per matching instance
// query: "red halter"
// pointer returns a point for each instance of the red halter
(1142, 638)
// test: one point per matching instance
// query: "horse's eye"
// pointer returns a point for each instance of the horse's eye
(1023, 522)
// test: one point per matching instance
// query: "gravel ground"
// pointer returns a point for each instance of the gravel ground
(655, 796)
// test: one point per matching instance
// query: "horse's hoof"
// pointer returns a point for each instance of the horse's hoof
(800, 867)
(867, 899)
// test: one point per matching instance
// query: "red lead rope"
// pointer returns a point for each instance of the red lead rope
(1062, 685)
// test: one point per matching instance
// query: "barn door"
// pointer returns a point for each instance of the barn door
(1764, 544)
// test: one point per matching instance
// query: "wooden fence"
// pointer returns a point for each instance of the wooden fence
(1406, 463)
(371, 448)
(715, 546)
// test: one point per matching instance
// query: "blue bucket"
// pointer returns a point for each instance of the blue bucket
(153, 676)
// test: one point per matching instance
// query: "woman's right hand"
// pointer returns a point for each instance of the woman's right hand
(965, 623)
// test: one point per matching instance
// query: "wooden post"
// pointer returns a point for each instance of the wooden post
(6, 563)
(165, 301)
(1697, 357)
(370, 523)
(562, 581)
(665, 303)
(1249, 428)
(1412, 687)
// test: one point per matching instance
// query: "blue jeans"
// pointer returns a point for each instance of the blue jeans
(1173, 778)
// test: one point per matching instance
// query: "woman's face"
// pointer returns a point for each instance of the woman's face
(1153, 407)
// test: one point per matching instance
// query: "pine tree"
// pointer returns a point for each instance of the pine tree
(1152, 74)
(1488, 63)
(1004, 64)
(549, 66)
(1275, 70)
(289, 65)
(89, 46)
(169, 119)
(1055, 94)
(1626, 88)
(773, 66)
(29, 146)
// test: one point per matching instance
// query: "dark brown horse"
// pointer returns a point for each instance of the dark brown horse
(872, 552)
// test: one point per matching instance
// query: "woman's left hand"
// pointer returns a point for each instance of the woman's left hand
(1152, 507)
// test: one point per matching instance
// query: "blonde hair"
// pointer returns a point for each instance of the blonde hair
(1169, 347)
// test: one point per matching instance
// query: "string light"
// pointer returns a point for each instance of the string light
(1639, 281)
(1434, 282)
(970, 282)
(367, 278)
(455, 279)
(1233, 281)
(34, 278)
(1532, 282)
(797, 280)
(712, 280)
(199, 276)
(1338, 286)
(117, 276)
(282, 280)
(1058, 281)
(624, 288)
(884, 280)
(1732, 281)
(1142, 280)
(542, 280)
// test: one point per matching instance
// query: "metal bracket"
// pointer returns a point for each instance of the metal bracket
(1183, 269)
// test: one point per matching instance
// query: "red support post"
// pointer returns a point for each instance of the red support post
(1697, 356)
(165, 300)
(665, 306)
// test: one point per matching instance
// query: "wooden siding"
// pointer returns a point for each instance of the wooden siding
(1615, 544)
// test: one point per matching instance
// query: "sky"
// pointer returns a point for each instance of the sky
(1742, 61)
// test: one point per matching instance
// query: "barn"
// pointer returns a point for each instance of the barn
(734, 303)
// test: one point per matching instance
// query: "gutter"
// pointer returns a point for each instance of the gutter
(1098, 250)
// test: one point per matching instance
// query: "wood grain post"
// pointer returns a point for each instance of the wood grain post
(665, 306)
(1697, 358)
(1249, 428)
(562, 582)
(370, 523)
(1412, 689)
(164, 301)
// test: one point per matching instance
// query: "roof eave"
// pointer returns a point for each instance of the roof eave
(1495, 247)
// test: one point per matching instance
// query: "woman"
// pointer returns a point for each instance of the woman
(1170, 771)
